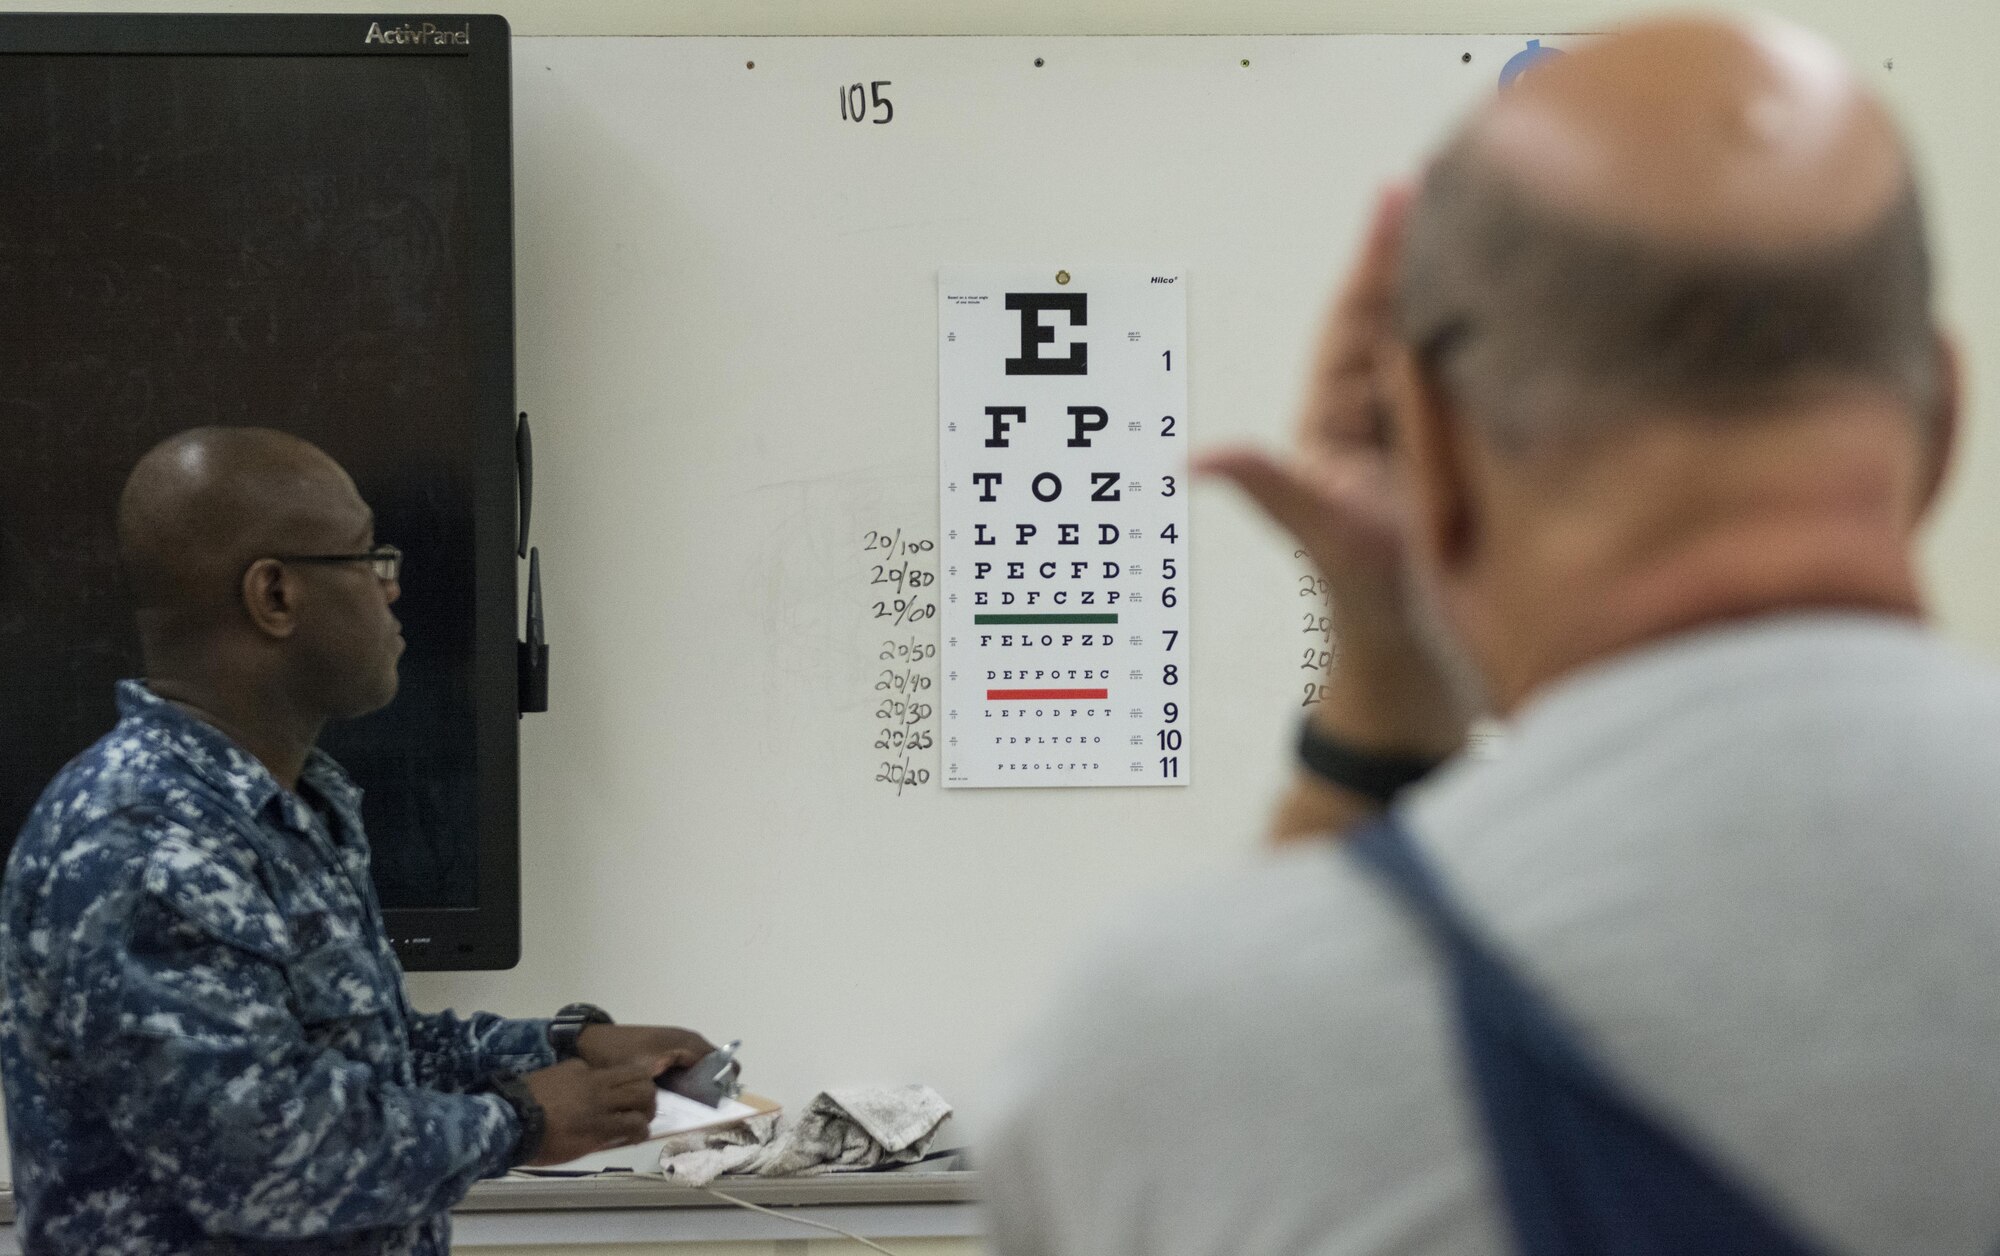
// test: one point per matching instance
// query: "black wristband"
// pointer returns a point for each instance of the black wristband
(534, 1121)
(1377, 777)
(570, 1022)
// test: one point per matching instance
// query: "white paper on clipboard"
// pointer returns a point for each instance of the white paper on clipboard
(672, 1114)
(678, 1114)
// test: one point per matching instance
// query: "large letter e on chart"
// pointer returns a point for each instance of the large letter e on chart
(1031, 305)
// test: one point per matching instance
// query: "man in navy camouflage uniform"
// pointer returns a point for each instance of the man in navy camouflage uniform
(205, 1042)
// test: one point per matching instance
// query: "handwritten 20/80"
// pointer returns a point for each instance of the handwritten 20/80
(901, 576)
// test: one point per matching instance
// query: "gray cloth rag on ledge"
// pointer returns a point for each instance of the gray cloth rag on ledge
(851, 1127)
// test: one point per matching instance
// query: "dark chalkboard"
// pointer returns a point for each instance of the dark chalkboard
(288, 241)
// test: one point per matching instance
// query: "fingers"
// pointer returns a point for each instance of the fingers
(627, 1099)
(1345, 511)
(637, 1095)
(1370, 289)
(1277, 488)
(622, 1129)
(645, 1069)
(626, 1088)
(1341, 403)
(686, 1057)
(685, 1045)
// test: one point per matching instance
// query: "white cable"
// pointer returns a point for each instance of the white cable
(782, 1216)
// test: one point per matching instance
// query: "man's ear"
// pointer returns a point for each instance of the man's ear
(1940, 434)
(270, 599)
(1431, 457)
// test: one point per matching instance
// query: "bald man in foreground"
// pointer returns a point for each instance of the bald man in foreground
(204, 1037)
(1625, 424)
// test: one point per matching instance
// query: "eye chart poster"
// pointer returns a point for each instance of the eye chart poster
(1063, 490)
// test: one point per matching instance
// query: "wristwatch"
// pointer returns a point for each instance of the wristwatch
(1375, 776)
(568, 1025)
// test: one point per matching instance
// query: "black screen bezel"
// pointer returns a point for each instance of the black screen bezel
(487, 935)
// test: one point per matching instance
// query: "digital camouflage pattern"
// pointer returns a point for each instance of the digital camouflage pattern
(204, 1039)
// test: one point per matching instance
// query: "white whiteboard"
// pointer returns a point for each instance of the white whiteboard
(727, 306)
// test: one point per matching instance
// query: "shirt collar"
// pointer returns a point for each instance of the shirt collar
(332, 781)
(218, 761)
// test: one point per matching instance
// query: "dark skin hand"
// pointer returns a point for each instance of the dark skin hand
(605, 1097)
(604, 1046)
(593, 1109)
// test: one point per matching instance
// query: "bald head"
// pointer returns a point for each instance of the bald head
(201, 506)
(1696, 218)
(1707, 133)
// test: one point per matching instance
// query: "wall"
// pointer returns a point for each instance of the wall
(583, 863)
(1928, 56)
(727, 312)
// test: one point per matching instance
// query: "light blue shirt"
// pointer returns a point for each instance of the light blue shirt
(1757, 864)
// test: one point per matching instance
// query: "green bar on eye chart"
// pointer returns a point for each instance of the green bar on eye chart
(1045, 619)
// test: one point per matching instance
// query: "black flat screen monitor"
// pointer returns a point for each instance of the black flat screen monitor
(299, 222)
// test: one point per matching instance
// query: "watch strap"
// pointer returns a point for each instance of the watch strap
(568, 1026)
(1375, 776)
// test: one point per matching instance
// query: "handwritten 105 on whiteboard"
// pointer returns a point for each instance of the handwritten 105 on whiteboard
(1063, 490)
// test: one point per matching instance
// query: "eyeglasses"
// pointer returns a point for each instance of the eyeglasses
(385, 560)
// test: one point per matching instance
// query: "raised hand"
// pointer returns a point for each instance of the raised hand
(1340, 494)
(1336, 491)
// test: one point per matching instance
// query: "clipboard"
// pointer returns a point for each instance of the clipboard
(677, 1114)
(672, 1114)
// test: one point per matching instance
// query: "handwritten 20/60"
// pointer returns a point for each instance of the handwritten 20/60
(905, 610)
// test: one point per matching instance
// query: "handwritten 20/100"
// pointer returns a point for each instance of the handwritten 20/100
(892, 544)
